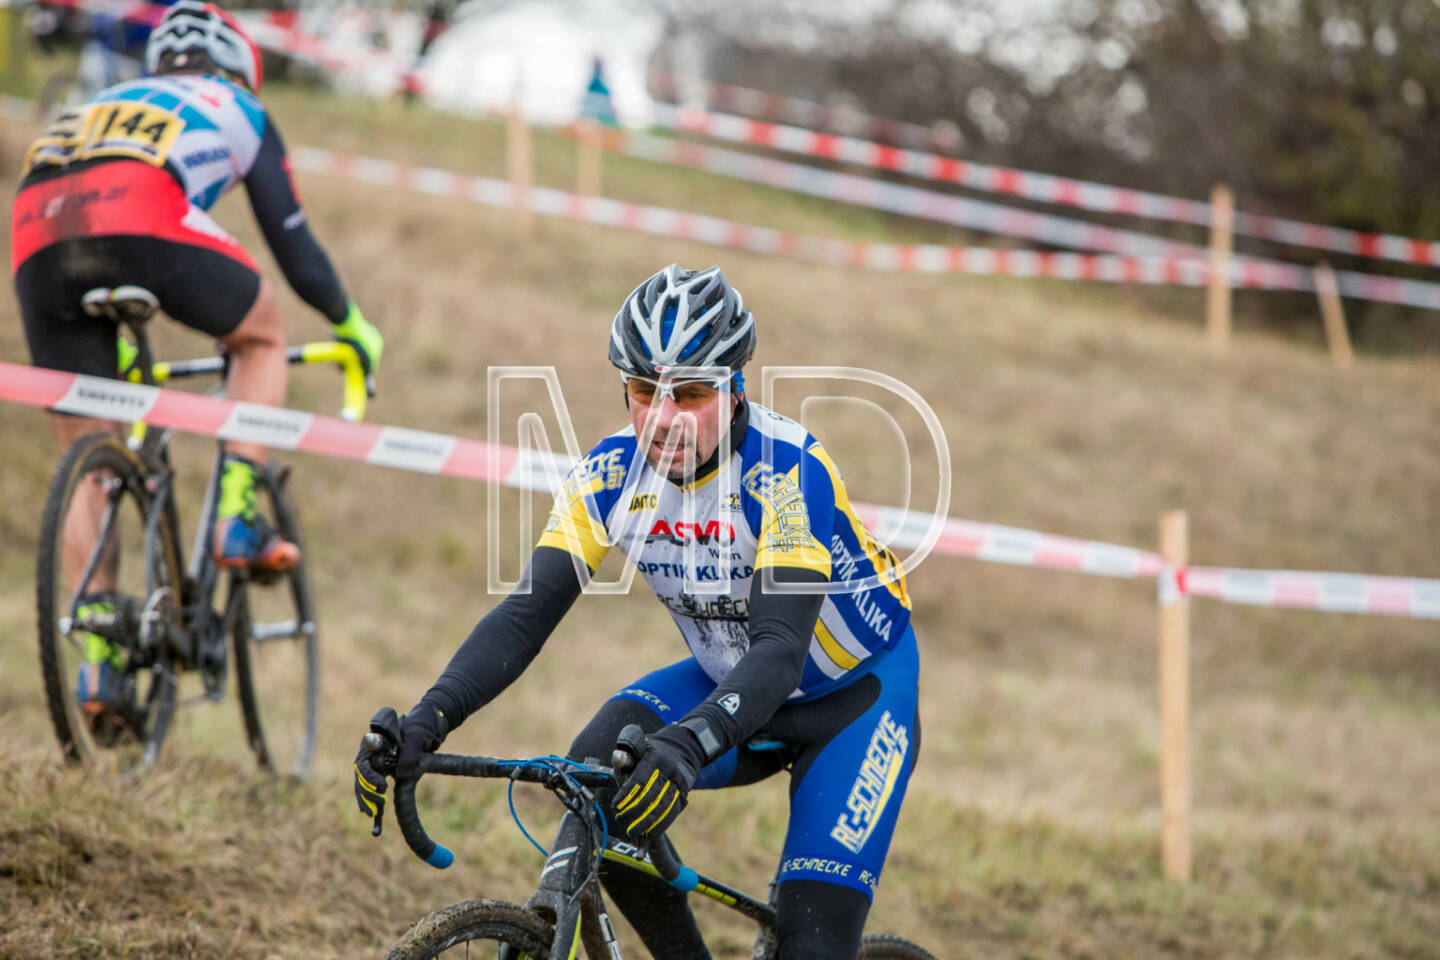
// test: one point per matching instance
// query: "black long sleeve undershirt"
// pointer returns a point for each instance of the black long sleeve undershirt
(781, 625)
(508, 638)
(282, 221)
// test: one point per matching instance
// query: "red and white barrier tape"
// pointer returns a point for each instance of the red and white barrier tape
(276, 31)
(816, 116)
(994, 543)
(1332, 592)
(425, 452)
(918, 258)
(434, 453)
(1006, 221)
(271, 426)
(1042, 187)
(271, 30)
(900, 199)
(907, 258)
(130, 11)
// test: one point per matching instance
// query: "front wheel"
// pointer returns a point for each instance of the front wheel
(882, 946)
(454, 928)
(276, 651)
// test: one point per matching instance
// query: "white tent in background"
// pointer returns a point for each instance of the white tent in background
(540, 52)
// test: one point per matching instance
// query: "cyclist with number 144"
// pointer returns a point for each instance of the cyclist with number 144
(115, 194)
(801, 654)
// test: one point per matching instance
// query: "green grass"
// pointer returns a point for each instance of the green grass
(1031, 829)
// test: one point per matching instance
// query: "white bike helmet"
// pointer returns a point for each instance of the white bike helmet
(679, 317)
(203, 27)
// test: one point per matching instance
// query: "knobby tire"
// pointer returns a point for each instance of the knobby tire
(883, 946)
(471, 920)
(294, 583)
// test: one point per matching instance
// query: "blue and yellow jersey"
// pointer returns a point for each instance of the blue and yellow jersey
(777, 501)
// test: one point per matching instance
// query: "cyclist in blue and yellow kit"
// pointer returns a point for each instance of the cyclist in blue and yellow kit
(726, 506)
(116, 193)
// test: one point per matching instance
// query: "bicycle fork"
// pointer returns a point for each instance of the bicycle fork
(563, 893)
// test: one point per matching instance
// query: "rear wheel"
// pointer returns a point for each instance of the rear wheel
(107, 576)
(882, 946)
(276, 654)
(456, 932)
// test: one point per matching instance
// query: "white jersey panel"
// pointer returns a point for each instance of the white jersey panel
(223, 128)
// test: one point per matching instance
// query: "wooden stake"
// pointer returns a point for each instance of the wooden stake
(1175, 697)
(1333, 314)
(587, 159)
(518, 156)
(1222, 245)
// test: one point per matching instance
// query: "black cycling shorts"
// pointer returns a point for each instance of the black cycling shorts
(203, 289)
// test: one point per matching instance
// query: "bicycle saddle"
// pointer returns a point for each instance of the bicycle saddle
(125, 304)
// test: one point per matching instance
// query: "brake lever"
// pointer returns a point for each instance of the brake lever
(383, 743)
(628, 747)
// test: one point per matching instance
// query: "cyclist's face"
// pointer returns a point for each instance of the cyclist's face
(687, 420)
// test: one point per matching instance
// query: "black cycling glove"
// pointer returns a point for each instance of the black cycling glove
(656, 791)
(369, 787)
(421, 731)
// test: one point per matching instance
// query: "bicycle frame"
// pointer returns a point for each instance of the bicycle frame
(566, 892)
(202, 573)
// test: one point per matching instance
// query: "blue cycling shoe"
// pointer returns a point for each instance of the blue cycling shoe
(100, 692)
(252, 542)
(100, 687)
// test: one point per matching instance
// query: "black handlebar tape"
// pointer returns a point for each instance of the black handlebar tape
(408, 817)
(414, 833)
(665, 859)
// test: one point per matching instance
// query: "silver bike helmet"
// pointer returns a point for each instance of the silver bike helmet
(192, 26)
(682, 318)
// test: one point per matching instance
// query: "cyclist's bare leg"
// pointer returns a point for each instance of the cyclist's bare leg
(257, 361)
(87, 506)
(258, 371)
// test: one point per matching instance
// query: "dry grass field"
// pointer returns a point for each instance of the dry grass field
(1031, 829)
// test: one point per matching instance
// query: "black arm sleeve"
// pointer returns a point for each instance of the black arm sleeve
(507, 638)
(781, 625)
(282, 220)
